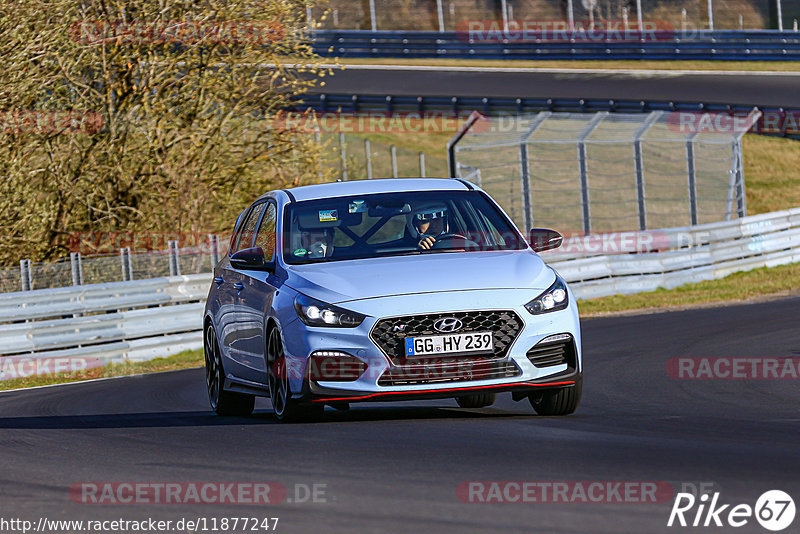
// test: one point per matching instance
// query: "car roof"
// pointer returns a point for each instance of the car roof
(379, 185)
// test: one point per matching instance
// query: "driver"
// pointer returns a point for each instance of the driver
(429, 223)
(316, 242)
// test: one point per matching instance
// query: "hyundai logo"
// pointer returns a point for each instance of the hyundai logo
(448, 324)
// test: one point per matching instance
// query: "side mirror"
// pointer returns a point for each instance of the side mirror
(543, 239)
(251, 259)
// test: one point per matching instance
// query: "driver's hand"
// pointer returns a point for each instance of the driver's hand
(427, 243)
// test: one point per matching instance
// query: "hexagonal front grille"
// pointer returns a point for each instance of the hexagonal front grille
(390, 334)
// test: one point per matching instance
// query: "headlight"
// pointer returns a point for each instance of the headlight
(554, 299)
(316, 313)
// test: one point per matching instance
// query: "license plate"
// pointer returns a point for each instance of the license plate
(449, 344)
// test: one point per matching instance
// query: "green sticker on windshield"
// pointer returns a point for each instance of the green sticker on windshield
(300, 252)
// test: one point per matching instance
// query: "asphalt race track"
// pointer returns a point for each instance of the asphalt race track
(757, 88)
(396, 468)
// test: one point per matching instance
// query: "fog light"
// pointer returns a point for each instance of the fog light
(335, 366)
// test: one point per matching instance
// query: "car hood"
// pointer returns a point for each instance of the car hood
(341, 281)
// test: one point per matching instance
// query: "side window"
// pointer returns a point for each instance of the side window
(248, 228)
(266, 232)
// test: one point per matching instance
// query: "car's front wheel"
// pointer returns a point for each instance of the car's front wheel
(222, 402)
(285, 407)
(562, 401)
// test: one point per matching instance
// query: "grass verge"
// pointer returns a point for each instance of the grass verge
(182, 360)
(782, 280)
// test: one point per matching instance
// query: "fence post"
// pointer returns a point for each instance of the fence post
(343, 153)
(582, 164)
(368, 153)
(174, 264)
(372, 21)
(214, 242)
(440, 13)
(740, 192)
(422, 164)
(526, 185)
(638, 162)
(570, 16)
(639, 17)
(710, 16)
(26, 278)
(690, 171)
(780, 15)
(393, 150)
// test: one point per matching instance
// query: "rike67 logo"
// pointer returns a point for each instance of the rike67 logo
(774, 510)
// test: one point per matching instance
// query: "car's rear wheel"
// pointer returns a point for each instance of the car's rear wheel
(222, 402)
(285, 407)
(562, 401)
(477, 400)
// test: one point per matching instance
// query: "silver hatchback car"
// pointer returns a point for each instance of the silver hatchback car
(381, 290)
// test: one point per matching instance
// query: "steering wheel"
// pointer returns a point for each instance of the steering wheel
(454, 240)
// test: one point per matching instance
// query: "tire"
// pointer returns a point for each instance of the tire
(562, 401)
(285, 408)
(222, 402)
(477, 400)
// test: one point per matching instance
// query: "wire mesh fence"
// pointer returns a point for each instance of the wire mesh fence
(607, 172)
(112, 267)
(456, 15)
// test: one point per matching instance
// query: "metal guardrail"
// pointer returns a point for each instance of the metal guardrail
(754, 45)
(103, 323)
(145, 319)
(775, 121)
(679, 256)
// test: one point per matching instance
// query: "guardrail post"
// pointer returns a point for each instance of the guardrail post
(343, 153)
(125, 261)
(77, 268)
(422, 164)
(690, 171)
(393, 150)
(368, 154)
(214, 245)
(26, 278)
(174, 264)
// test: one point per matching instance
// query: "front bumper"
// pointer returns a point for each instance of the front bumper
(319, 394)
(300, 341)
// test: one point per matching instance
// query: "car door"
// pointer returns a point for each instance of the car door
(255, 300)
(232, 330)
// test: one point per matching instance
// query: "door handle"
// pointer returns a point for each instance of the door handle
(238, 287)
(219, 280)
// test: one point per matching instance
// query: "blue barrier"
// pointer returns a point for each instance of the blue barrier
(728, 45)
(775, 121)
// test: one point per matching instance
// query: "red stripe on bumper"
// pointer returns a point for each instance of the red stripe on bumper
(444, 390)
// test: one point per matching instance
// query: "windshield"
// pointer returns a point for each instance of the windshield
(394, 224)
